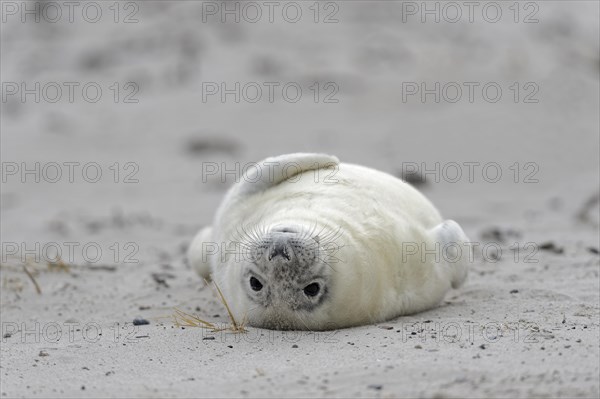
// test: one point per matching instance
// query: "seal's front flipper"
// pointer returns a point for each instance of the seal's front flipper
(272, 171)
(200, 251)
(454, 248)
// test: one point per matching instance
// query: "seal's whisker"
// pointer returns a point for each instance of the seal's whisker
(255, 233)
(332, 235)
(263, 231)
(242, 236)
(245, 233)
(304, 232)
(310, 232)
(318, 235)
(328, 264)
(237, 236)
(251, 235)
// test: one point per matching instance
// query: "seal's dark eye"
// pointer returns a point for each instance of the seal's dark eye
(312, 289)
(255, 284)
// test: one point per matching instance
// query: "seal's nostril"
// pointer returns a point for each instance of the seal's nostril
(279, 249)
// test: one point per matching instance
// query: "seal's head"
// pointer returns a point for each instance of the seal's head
(286, 277)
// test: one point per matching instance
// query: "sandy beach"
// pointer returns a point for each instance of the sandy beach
(111, 122)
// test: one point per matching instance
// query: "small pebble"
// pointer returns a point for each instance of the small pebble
(376, 387)
(138, 321)
(42, 354)
(294, 346)
(415, 178)
(514, 291)
(208, 338)
(499, 235)
(550, 246)
(386, 327)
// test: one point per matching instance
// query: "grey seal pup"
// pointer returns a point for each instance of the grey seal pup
(305, 242)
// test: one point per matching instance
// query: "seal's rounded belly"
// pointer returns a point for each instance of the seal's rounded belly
(306, 242)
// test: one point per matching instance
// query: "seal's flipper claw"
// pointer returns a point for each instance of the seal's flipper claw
(200, 251)
(455, 248)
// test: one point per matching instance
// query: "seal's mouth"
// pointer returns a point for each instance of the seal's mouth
(287, 229)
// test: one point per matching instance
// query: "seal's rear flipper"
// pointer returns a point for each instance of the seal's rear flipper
(272, 171)
(454, 248)
(200, 251)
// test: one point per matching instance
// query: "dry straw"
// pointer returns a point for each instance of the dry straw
(183, 319)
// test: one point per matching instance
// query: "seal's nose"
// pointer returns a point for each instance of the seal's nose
(280, 247)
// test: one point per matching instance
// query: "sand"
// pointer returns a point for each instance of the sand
(526, 323)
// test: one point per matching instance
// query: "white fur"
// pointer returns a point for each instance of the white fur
(379, 217)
